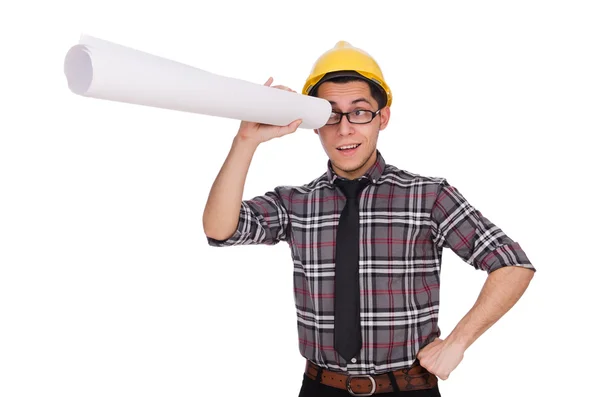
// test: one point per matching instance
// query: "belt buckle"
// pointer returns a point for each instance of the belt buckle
(349, 388)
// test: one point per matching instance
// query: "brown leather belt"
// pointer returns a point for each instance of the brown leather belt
(413, 378)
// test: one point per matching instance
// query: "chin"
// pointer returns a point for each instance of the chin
(349, 165)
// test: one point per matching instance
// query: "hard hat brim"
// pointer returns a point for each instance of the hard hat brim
(346, 73)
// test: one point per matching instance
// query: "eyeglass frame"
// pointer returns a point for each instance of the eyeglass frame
(342, 114)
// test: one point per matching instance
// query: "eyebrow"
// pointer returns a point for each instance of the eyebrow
(354, 101)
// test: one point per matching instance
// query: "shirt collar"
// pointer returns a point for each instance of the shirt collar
(373, 173)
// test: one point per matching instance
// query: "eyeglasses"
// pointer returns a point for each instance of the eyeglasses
(355, 117)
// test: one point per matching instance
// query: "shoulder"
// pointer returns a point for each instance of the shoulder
(316, 184)
(294, 198)
(429, 188)
(406, 178)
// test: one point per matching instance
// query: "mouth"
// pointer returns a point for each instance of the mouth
(348, 150)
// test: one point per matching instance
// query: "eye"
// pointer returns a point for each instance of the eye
(359, 112)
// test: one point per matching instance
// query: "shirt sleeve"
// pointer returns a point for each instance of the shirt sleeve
(262, 220)
(457, 225)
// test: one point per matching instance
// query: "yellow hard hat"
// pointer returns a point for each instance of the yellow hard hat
(346, 58)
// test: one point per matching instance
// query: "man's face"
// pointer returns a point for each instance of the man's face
(347, 162)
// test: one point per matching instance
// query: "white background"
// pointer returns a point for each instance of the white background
(107, 284)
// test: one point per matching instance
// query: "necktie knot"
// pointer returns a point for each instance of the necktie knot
(351, 188)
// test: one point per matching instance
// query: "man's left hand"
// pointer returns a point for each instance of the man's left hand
(441, 357)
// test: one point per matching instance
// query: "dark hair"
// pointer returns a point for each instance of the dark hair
(376, 91)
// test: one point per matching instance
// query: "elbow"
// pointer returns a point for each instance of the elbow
(217, 227)
(517, 276)
(216, 232)
(528, 275)
(219, 236)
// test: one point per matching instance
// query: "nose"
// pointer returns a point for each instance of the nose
(345, 127)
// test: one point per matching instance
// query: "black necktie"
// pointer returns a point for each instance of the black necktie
(347, 337)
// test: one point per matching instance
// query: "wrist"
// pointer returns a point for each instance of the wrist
(459, 340)
(244, 142)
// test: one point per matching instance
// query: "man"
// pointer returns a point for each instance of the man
(366, 241)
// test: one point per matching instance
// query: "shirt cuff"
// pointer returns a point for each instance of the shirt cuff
(238, 237)
(506, 255)
(233, 240)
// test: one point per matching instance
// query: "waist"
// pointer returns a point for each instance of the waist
(413, 378)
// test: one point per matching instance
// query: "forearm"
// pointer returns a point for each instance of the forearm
(502, 289)
(222, 210)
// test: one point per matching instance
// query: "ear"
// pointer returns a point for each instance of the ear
(385, 117)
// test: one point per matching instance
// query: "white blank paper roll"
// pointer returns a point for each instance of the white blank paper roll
(104, 70)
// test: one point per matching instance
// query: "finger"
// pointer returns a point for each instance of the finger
(282, 87)
(288, 129)
(430, 367)
(293, 126)
(269, 82)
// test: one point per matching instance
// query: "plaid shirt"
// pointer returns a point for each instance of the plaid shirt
(405, 222)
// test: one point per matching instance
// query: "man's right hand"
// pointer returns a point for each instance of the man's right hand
(222, 211)
(258, 133)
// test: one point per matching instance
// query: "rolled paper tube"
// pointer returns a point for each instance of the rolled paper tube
(100, 69)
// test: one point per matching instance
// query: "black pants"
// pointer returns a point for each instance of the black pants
(312, 388)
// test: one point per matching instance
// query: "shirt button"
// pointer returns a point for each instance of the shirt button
(353, 360)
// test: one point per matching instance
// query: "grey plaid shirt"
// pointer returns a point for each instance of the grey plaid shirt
(405, 222)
